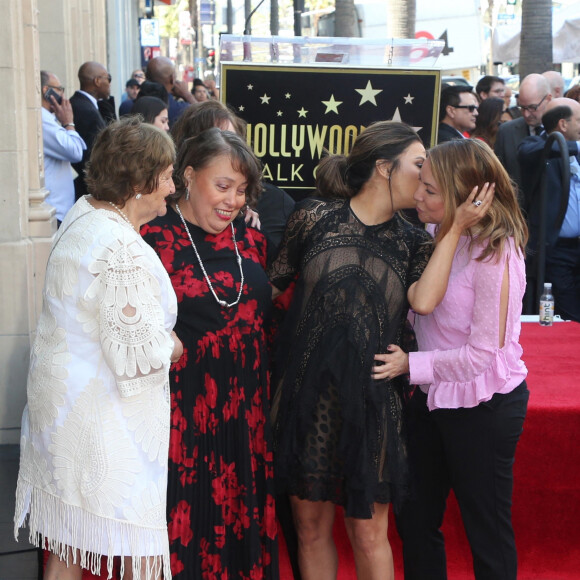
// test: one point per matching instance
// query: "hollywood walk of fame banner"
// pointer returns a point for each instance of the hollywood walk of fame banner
(294, 113)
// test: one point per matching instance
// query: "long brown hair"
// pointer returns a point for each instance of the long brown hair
(460, 165)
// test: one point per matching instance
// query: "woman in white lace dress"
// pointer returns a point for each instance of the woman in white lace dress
(95, 432)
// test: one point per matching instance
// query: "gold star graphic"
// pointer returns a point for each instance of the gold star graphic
(368, 94)
(279, 113)
(241, 108)
(331, 105)
(302, 112)
(288, 95)
(250, 87)
(408, 99)
(397, 117)
(265, 99)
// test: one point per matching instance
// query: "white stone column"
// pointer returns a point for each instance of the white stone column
(22, 213)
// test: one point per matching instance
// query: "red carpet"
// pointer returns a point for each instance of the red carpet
(546, 510)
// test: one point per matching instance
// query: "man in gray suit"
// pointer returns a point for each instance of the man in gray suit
(533, 99)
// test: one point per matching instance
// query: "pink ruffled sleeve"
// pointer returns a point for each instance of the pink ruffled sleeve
(477, 369)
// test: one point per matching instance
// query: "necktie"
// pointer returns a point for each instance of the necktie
(538, 130)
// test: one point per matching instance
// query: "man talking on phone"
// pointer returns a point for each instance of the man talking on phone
(62, 144)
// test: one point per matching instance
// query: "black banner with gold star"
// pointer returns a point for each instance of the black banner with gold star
(294, 113)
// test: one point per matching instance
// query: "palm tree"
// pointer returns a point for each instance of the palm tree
(345, 19)
(274, 18)
(536, 37)
(401, 16)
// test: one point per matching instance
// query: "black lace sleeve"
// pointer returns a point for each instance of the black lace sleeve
(423, 249)
(284, 268)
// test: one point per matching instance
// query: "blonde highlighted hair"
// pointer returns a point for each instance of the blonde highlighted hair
(460, 165)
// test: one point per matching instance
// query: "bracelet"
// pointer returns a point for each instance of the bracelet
(69, 125)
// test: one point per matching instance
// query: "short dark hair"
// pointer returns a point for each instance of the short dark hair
(451, 96)
(127, 155)
(485, 83)
(199, 151)
(44, 78)
(131, 83)
(148, 108)
(153, 89)
(551, 119)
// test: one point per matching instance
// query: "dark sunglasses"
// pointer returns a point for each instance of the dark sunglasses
(470, 107)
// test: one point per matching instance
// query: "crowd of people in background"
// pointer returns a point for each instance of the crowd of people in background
(518, 133)
(194, 368)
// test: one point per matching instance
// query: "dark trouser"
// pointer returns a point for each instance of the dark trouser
(563, 270)
(472, 452)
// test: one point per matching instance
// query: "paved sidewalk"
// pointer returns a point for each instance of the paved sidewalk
(18, 560)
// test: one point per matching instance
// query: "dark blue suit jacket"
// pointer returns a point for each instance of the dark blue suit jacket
(446, 132)
(529, 156)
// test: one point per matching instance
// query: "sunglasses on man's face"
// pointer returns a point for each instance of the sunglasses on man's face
(471, 108)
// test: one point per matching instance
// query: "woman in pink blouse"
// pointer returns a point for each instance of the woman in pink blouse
(467, 416)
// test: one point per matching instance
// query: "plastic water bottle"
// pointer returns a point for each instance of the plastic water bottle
(547, 306)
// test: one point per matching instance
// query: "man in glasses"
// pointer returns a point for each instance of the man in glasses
(95, 88)
(62, 144)
(533, 100)
(457, 113)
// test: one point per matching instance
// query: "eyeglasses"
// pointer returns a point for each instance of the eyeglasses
(61, 89)
(108, 77)
(470, 107)
(532, 108)
(139, 76)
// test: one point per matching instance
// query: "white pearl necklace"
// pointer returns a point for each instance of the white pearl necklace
(122, 214)
(222, 303)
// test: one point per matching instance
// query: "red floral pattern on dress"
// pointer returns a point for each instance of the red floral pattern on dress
(221, 513)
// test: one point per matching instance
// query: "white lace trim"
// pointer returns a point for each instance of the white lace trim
(65, 528)
(123, 306)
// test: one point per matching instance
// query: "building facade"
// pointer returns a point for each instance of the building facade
(57, 35)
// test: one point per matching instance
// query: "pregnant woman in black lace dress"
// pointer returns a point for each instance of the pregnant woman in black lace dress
(338, 433)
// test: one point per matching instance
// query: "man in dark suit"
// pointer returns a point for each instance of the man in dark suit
(457, 112)
(533, 99)
(563, 210)
(95, 87)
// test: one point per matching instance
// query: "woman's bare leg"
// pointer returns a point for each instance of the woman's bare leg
(317, 556)
(372, 552)
(155, 566)
(57, 569)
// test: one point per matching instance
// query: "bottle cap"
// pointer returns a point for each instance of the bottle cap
(548, 285)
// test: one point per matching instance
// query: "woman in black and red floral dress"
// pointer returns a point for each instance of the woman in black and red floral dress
(220, 504)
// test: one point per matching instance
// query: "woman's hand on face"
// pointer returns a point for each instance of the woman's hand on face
(395, 363)
(470, 212)
(252, 218)
(177, 348)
